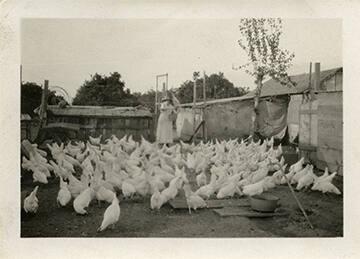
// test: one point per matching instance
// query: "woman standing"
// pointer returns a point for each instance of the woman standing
(164, 131)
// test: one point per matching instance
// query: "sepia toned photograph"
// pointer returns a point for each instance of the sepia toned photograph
(181, 128)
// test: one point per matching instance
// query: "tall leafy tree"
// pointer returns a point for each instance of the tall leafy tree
(217, 87)
(105, 90)
(260, 39)
(147, 99)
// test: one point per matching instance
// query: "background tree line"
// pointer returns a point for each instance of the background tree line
(110, 90)
(31, 97)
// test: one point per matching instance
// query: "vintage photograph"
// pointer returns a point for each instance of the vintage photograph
(181, 127)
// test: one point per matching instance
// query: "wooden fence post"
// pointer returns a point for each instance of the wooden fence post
(43, 106)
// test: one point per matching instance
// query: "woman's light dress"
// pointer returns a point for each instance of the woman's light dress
(164, 131)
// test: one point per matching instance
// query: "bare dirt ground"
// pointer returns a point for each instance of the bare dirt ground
(137, 220)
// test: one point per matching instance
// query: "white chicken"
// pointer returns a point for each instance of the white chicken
(156, 182)
(80, 144)
(201, 179)
(103, 194)
(128, 189)
(64, 195)
(83, 200)
(172, 190)
(190, 161)
(75, 186)
(146, 146)
(81, 156)
(95, 141)
(202, 164)
(162, 174)
(178, 181)
(114, 179)
(58, 170)
(156, 200)
(38, 174)
(207, 190)
(325, 185)
(255, 188)
(31, 202)
(229, 189)
(64, 163)
(260, 174)
(270, 143)
(278, 151)
(185, 147)
(179, 160)
(306, 180)
(111, 215)
(297, 166)
(142, 186)
(275, 164)
(244, 182)
(193, 200)
(287, 176)
(278, 175)
(131, 141)
(166, 167)
(323, 176)
(72, 150)
(300, 174)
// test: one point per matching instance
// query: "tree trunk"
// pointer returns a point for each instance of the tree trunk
(255, 123)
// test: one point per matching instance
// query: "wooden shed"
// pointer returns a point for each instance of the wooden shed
(329, 150)
(316, 123)
(330, 80)
(104, 120)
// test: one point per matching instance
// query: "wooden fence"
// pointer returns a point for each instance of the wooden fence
(107, 126)
(321, 131)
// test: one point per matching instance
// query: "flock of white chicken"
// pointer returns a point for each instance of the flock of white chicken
(143, 169)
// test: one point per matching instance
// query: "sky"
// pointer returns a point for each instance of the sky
(68, 51)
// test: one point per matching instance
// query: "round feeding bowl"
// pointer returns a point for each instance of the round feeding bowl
(264, 202)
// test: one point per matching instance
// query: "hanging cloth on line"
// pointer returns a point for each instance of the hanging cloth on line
(272, 118)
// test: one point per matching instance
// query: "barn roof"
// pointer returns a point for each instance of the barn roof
(272, 87)
(100, 111)
(217, 101)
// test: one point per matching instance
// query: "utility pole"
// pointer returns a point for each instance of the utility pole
(20, 75)
(156, 95)
(204, 88)
(194, 101)
(204, 107)
(311, 89)
(167, 81)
